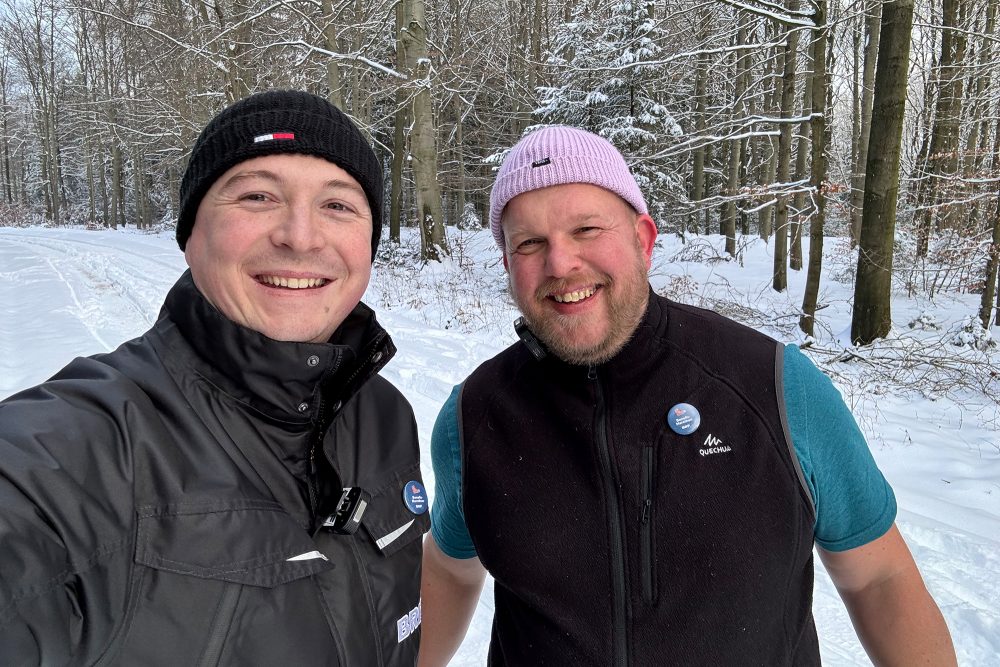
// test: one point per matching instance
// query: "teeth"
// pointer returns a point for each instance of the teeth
(292, 283)
(573, 297)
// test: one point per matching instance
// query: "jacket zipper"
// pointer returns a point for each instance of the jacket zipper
(316, 441)
(370, 365)
(646, 538)
(619, 628)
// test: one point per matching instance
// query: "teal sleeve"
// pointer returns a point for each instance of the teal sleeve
(854, 503)
(447, 517)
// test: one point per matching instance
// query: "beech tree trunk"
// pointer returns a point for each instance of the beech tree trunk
(334, 91)
(736, 145)
(873, 19)
(938, 207)
(820, 130)
(872, 315)
(802, 204)
(780, 273)
(399, 150)
(423, 152)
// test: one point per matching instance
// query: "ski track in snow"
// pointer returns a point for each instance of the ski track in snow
(65, 293)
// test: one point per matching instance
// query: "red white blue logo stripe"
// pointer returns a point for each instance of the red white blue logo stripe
(274, 136)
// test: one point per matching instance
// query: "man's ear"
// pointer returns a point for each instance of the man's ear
(503, 254)
(645, 231)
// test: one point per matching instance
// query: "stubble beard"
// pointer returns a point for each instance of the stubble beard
(626, 300)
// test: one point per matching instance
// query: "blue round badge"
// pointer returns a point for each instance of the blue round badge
(684, 418)
(415, 497)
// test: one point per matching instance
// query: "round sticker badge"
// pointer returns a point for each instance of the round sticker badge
(415, 497)
(684, 419)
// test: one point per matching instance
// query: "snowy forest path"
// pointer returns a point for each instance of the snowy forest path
(85, 298)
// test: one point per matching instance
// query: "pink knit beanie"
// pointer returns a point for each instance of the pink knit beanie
(557, 155)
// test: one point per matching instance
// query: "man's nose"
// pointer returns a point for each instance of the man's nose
(299, 229)
(562, 258)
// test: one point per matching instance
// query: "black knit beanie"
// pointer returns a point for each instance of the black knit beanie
(278, 121)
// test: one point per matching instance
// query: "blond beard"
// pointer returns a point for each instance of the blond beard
(626, 306)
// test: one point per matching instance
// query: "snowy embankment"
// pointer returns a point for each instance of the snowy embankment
(73, 292)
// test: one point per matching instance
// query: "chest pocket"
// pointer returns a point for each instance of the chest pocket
(245, 542)
(225, 583)
(389, 523)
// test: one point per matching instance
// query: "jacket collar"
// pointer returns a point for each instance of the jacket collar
(284, 380)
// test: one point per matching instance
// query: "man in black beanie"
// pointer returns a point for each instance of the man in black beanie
(237, 486)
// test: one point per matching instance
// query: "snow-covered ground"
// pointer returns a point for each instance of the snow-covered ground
(69, 292)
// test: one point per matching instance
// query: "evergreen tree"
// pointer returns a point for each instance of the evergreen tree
(607, 81)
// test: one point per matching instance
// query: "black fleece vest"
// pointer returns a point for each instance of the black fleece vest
(613, 539)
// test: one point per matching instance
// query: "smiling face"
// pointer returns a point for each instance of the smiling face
(282, 245)
(577, 257)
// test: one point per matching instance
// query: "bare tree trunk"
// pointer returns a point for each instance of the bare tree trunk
(990, 284)
(872, 316)
(770, 147)
(802, 205)
(457, 108)
(430, 216)
(117, 188)
(707, 210)
(91, 185)
(399, 150)
(359, 104)
(736, 145)
(821, 131)
(102, 174)
(780, 273)
(698, 167)
(534, 67)
(978, 141)
(336, 93)
(140, 177)
(8, 183)
(232, 49)
(873, 19)
(459, 161)
(942, 161)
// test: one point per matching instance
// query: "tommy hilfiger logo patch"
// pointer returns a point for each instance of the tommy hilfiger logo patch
(713, 445)
(274, 136)
(408, 624)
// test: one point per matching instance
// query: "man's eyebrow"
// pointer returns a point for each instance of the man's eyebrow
(333, 183)
(343, 183)
(240, 176)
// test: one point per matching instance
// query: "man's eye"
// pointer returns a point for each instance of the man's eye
(528, 246)
(338, 206)
(254, 196)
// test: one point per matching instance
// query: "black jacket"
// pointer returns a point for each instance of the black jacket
(162, 504)
(615, 540)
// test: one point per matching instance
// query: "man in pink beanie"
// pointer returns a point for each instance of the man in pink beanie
(646, 480)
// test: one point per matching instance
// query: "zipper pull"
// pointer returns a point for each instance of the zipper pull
(645, 510)
(591, 372)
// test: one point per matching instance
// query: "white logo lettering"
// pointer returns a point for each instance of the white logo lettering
(713, 445)
(409, 622)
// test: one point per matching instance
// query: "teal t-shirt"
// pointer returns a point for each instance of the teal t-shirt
(854, 503)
